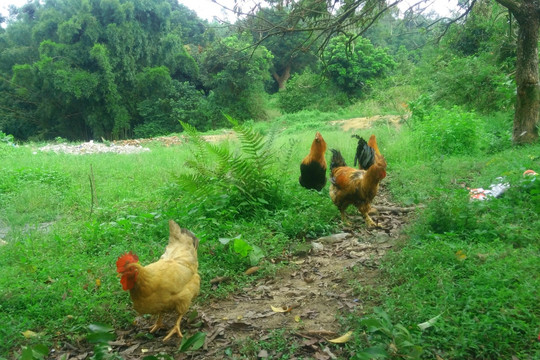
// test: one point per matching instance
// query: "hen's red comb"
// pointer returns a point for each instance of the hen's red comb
(124, 260)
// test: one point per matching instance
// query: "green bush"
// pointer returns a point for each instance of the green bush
(310, 91)
(442, 131)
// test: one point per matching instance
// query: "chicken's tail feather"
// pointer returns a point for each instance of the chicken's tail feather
(182, 243)
(372, 142)
(337, 159)
(365, 155)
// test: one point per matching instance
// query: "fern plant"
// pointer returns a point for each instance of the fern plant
(240, 179)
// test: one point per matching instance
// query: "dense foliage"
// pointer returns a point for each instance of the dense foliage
(122, 69)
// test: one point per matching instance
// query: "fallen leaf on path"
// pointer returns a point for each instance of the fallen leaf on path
(219, 279)
(252, 270)
(342, 339)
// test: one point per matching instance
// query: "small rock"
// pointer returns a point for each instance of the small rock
(334, 238)
(263, 354)
(317, 247)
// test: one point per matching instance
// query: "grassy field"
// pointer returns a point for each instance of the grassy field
(472, 267)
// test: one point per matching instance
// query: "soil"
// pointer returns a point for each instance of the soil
(302, 301)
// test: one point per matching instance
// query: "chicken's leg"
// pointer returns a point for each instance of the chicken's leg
(365, 212)
(344, 218)
(158, 325)
(175, 329)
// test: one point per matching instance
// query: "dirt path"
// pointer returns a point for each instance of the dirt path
(320, 283)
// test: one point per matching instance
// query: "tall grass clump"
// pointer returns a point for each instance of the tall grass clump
(445, 131)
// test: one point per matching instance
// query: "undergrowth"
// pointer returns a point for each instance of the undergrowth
(466, 272)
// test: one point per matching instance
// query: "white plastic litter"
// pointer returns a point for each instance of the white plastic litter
(494, 191)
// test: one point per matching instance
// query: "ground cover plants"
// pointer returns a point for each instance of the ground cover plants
(467, 269)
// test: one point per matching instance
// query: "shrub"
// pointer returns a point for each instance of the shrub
(443, 131)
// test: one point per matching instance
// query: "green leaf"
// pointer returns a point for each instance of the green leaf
(194, 342)
(27, 354)
(371, 324)
(255, 255)
(225, 241)
(242, 247)
(100, 334)
(99, 328)
(100, 338)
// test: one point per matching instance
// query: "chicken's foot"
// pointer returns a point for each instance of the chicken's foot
(369, 221)
(175, 330)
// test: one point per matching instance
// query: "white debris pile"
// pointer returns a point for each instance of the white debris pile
(93, 148)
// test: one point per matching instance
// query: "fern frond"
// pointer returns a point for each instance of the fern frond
(243, 178)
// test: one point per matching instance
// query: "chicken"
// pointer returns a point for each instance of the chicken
(365, 155)
(313, 167)
(350, 186)
(166, 285)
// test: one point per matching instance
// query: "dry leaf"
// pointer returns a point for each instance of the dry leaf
(29, 334)
(460, 255)
(282, 309)
(219, 279)
(342, 339)
(251, 270)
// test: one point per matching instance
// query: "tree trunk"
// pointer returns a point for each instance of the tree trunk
(282, 80)
(527, 112)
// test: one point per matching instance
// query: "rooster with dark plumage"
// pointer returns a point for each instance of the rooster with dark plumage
(350, 186)
(313, 167)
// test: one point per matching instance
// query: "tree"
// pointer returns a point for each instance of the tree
(353, 67)
(236, 74)
(289, 50)
(321, 20)
(78, 69)
(527, 112)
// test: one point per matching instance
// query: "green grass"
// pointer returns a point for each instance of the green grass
(57, 282)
